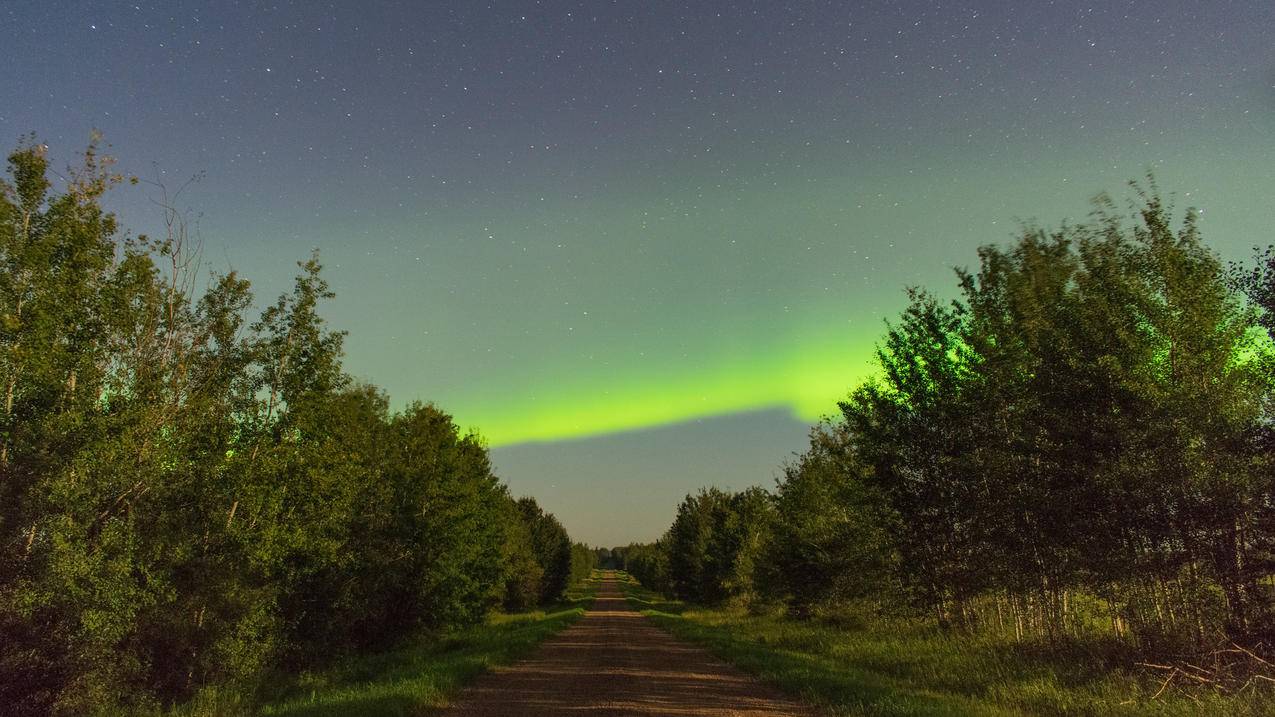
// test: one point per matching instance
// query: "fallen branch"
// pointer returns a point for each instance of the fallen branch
(1233, 670)
(1165, 686)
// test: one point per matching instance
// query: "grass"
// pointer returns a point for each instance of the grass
(423, 675)
(896, 667)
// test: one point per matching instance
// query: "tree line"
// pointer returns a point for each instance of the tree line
(1081, 442)
(192, 497)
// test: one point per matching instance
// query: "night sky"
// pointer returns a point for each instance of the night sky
(641, 245)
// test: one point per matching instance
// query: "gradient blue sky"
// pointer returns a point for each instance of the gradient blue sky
(657, 239)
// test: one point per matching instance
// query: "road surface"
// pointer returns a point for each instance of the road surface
(614, 661)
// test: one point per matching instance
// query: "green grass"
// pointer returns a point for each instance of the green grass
(423, 675)
(897, 667)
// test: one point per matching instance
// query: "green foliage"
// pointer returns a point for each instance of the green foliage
(648, 562)
(715, 547)
(421, 674)
(1077, 449)
(604, 559)
(1082, 421)
(830, 542)
(687, 547)
(190, 499)
(583, 561)
(523, 575)
(551, 548)
(860, 664)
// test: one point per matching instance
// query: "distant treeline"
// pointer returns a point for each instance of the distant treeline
(191, 499)
(1082, 442)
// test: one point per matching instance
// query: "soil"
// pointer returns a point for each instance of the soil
(615, 661)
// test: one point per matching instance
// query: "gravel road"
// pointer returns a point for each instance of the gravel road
(614, 661)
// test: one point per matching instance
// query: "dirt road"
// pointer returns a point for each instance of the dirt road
(614, 661)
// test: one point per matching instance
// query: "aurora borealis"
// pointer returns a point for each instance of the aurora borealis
(584, 224)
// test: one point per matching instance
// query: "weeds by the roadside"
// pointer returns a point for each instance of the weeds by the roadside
(896, 667)
(416, 677)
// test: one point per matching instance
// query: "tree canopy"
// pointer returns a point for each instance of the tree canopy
(190, 497)
(1088, 423)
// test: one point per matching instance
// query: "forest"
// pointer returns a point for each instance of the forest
(1078, 448)
(195, 498)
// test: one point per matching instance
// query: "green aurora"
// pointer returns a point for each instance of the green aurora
(749, 299)
(572, 225)
(808, 380)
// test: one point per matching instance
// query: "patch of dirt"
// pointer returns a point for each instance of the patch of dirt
(614, 661)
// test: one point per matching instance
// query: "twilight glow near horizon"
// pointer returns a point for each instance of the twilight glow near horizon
(578, 226)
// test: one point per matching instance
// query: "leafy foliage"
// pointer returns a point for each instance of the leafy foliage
(1080, 443)
(189, 498)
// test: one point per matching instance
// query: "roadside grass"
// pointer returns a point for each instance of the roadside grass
(425, 674)
(897, 667)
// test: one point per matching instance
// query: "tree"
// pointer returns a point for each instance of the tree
(830, 543)
(687, 543)
(189, 500)
(551, 547)
(649, 564)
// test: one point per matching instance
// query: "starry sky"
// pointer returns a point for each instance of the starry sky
(641, 246)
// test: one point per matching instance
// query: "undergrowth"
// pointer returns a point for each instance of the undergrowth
(900, 667)
(412, 679)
